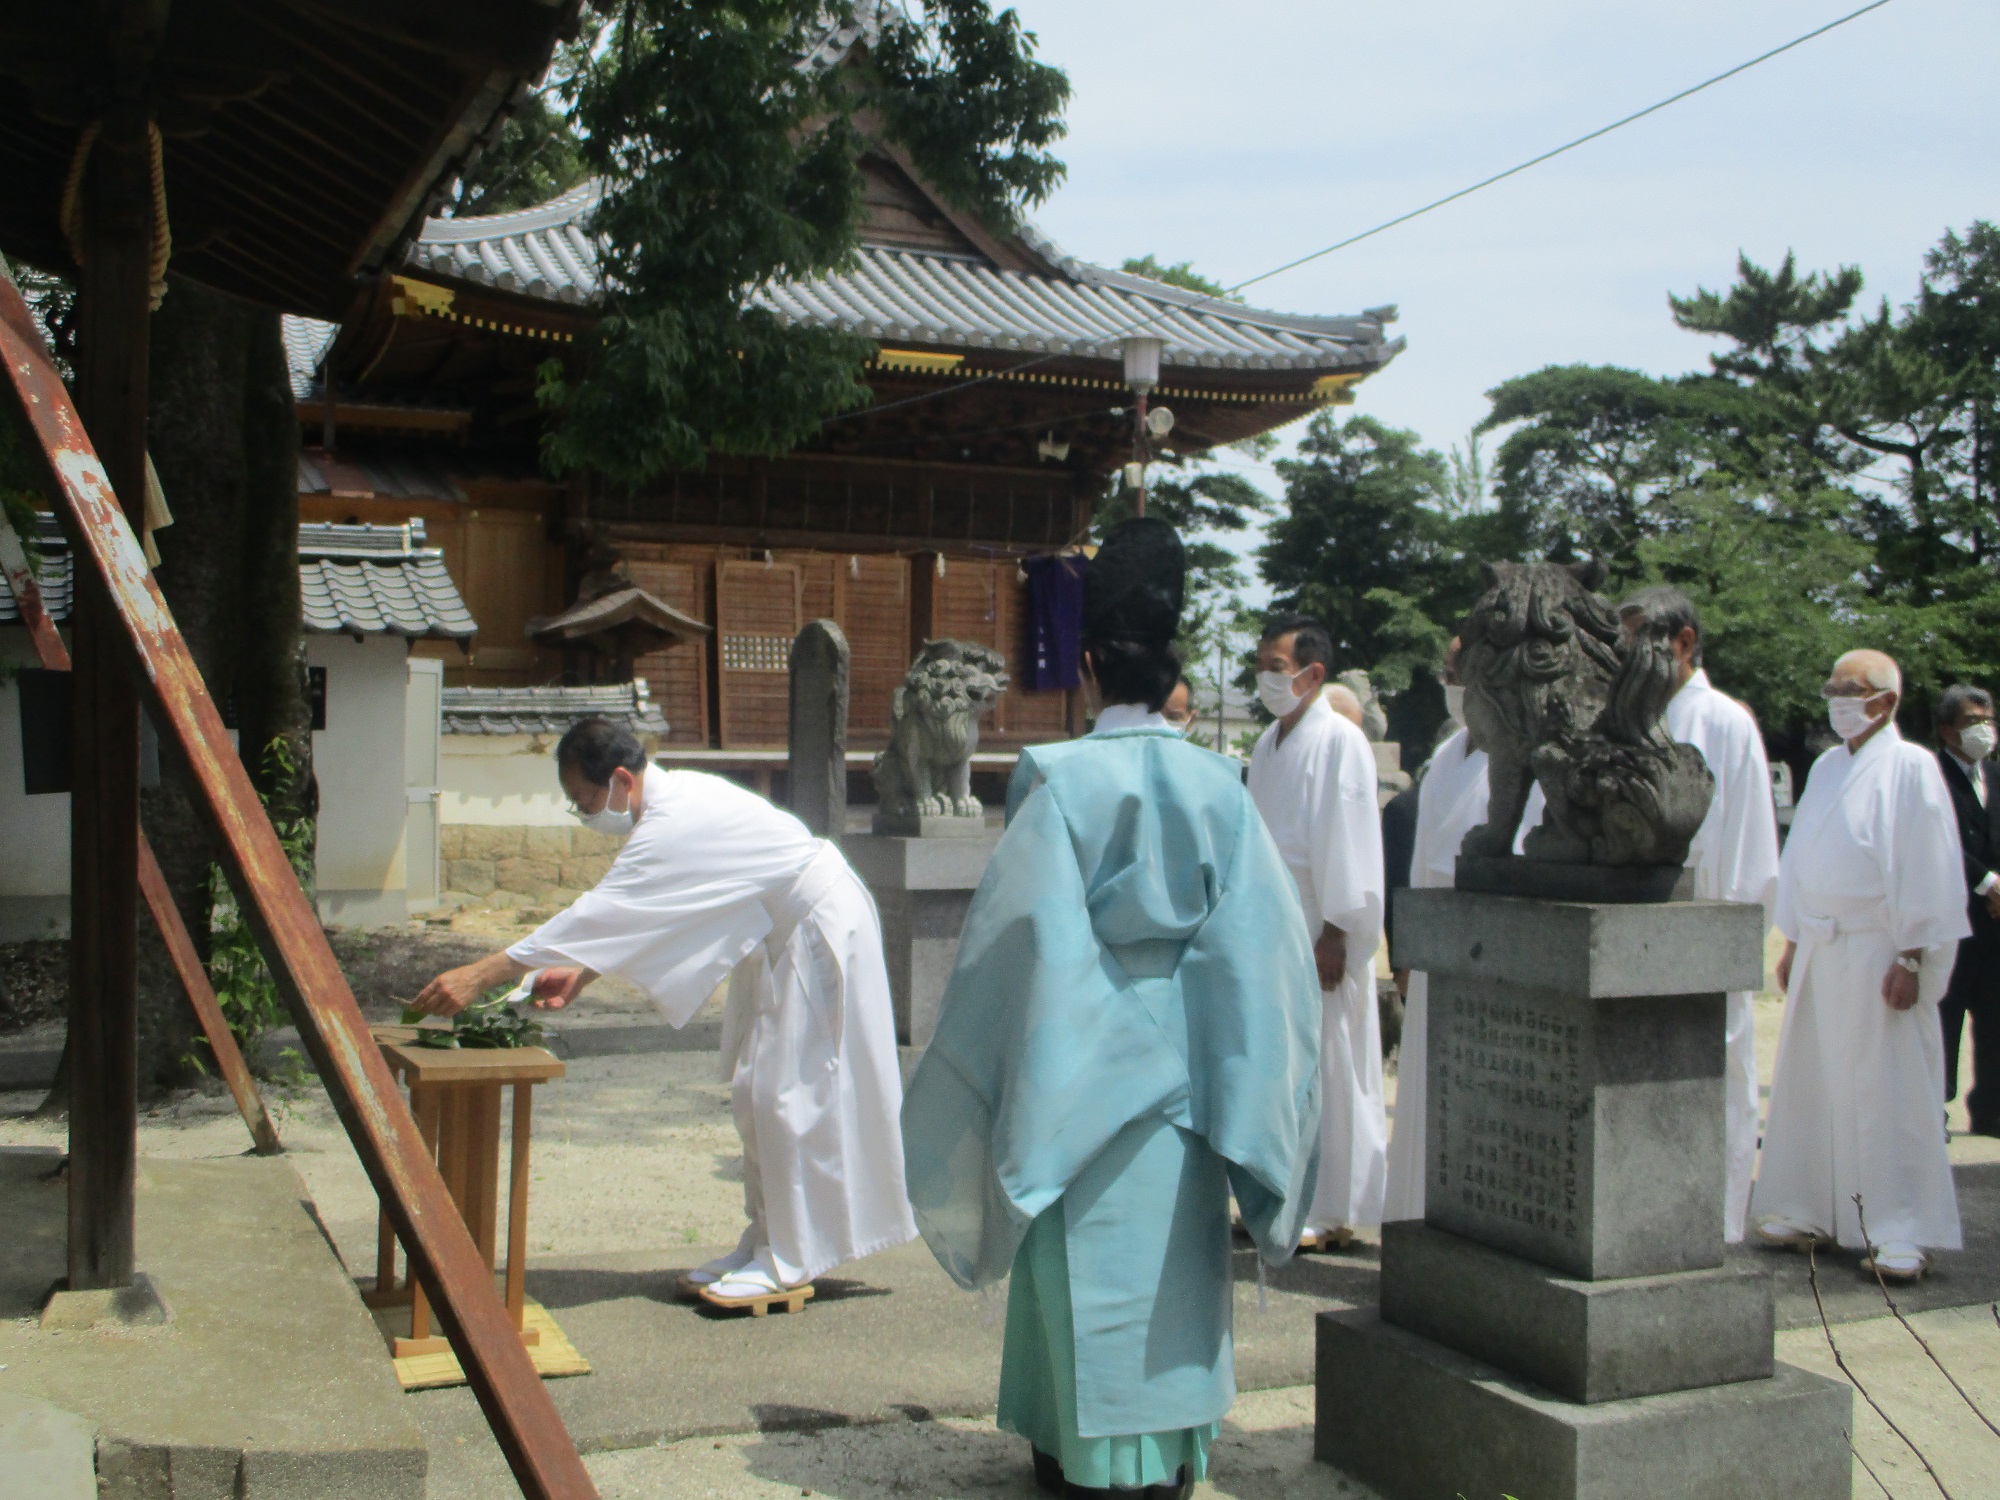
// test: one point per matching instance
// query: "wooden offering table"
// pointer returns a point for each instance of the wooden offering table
(455, 1095)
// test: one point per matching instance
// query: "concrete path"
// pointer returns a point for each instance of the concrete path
(885, 1386)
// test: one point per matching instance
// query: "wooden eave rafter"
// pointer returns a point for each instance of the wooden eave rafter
(303, 138)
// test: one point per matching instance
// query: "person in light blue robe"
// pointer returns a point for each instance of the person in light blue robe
(1131, 1035)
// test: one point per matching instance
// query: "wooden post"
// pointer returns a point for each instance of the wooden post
(113, 298)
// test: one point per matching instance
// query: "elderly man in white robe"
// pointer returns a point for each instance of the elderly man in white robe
(1451, 801)
(1871, 900)
(714, 881)
(1313, 779)
(1734, 855)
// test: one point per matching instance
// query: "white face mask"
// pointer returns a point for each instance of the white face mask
(1975, 741)
(1274, 691)
(605, 820)
(1849, 717)
(1454, 702)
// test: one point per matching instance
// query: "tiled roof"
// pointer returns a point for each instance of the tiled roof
(353, 580)
(52, 572)
(306, 341)
(391, 477)
(378, 580)
(549, 710)
(931, 297)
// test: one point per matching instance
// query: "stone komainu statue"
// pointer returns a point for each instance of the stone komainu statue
(1556, 694)
(933, 730)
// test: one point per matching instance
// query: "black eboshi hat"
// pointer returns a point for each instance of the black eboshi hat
(1135, 586)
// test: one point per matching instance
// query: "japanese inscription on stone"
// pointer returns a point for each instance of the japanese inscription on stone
(1508, 1121)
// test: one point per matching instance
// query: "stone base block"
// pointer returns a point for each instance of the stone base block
(1421, 1422)
(923, 889)
(930, 826)
(1547, 880)
(1586, 1341)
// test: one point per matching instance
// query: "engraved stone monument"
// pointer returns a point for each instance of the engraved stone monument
(930, 842)
(817, 739)
(1563, 1324)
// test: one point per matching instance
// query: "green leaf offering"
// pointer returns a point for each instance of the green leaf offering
(489, 1023)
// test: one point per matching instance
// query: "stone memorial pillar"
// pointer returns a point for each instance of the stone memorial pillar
(1562, 1324)
(817, 740)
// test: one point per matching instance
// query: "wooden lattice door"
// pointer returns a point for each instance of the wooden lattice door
(757, 616)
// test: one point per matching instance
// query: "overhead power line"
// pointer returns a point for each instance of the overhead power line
(1220, 299)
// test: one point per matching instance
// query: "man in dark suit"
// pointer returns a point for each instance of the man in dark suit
(1965, 733)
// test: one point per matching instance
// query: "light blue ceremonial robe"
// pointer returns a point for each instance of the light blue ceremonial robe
(1131, 1033)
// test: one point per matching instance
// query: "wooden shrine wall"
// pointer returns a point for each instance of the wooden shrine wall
(731, 690)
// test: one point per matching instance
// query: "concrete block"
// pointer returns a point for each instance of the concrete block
(451, 841)
(1598, 951)
(1418, 1421)
(588, 841)
(270, 1383)
(1586, 1135)
(1586, 1341)
(923, 888)
(46, 1453)
(475, 877)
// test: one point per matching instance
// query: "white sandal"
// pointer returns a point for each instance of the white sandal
(756, 1289)
(1781, 1233)
(1901, 1263)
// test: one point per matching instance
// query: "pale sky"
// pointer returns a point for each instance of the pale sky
(1239, 135)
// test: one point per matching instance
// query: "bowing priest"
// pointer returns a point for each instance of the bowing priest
(1313, 778)
(1451, 801)
(1734, 854)
(1871, 900)
(1131, 1034)
(714, 881)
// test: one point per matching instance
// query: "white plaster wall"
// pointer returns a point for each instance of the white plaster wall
(34, 831)
(358, 759)
(502, 780)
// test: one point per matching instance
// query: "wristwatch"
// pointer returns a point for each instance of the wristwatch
(1914, 965)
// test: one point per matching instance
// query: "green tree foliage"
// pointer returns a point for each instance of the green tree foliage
(728, 165)
(536, 157)
(1373, 544)
(1829, 482)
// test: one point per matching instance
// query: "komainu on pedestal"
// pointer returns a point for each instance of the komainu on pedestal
(926, 773)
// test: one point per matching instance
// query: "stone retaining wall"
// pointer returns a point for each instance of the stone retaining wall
(520, 866)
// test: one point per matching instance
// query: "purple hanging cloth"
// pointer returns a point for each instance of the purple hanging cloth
(1055, 614)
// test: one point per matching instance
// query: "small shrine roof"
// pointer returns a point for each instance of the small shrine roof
(549, 710)
(353, 580)
(378, 580)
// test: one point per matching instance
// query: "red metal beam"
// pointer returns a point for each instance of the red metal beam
(523, 1418)
(51, 652)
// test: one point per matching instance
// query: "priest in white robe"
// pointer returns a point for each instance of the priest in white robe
(1313, 779)
(1734, 855)
(1871, 900)
(714, 881)
(1451, 801)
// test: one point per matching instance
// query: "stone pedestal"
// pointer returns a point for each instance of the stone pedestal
(1561, 1325)
(923, 888)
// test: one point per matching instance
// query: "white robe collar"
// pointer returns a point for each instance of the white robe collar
(1118, 716)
